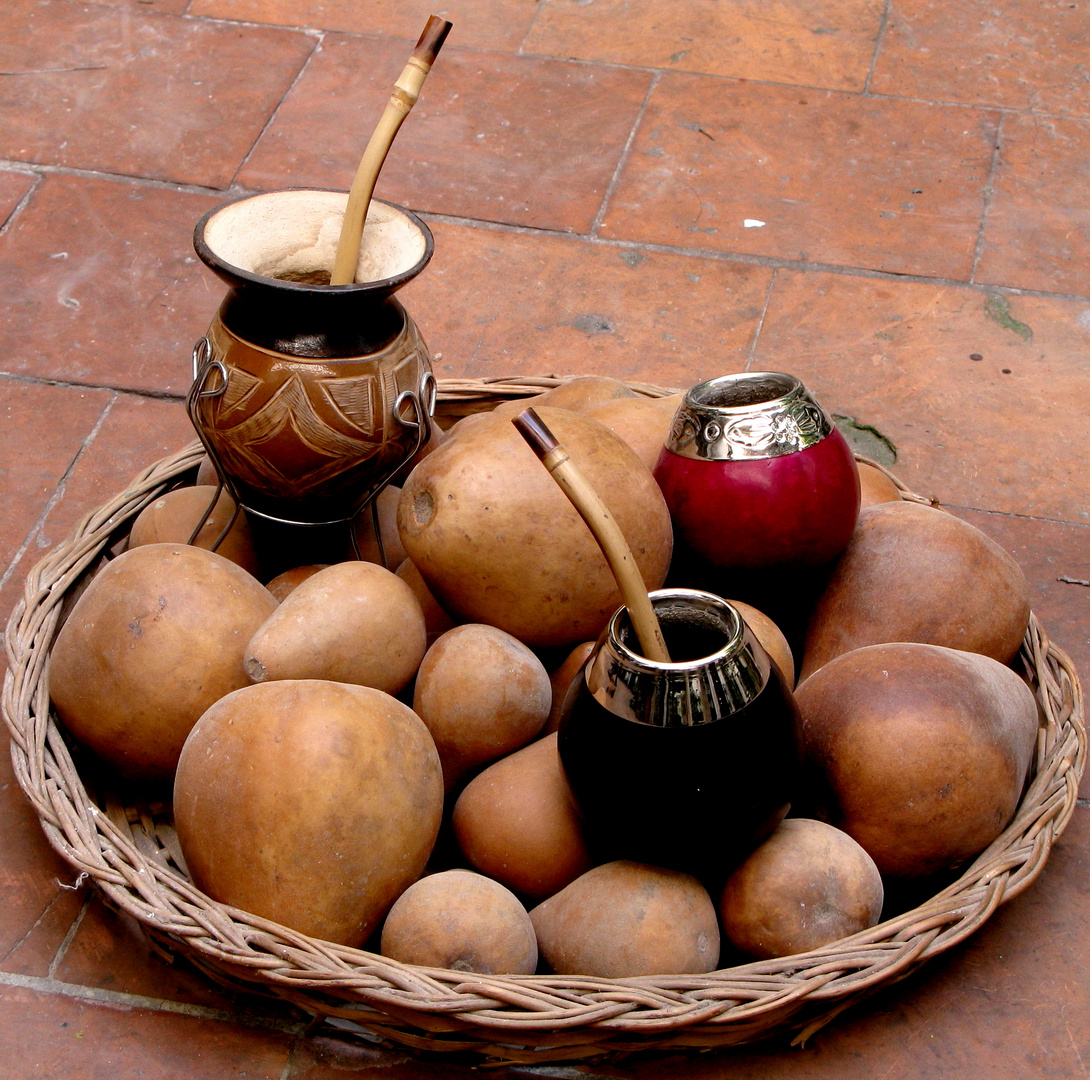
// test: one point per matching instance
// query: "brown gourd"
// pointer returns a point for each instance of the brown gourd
(914, 573)
(642, 422)
(352, 622)
(918, 752)
(498, 542)
(462, 921)
(157, 637)
(482, 694)
(808, 885)
(172, 518)
(624, 919)
(311, 803)
(516, 822)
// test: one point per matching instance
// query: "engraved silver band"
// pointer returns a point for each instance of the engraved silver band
(689, 693)
(750, 415)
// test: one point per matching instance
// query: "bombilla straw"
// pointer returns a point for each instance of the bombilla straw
(404, 96)
(605, 528)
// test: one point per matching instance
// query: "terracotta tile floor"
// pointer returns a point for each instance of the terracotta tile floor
(872, 194)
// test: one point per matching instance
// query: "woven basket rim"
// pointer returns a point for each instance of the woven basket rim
(533, 1018)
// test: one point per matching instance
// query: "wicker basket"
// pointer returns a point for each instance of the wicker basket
(132, 855)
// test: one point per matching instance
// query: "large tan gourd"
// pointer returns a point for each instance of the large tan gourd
(157, 637)
(918, 752)
(498, 542)
(576, 395)
(643, 423)
(314, 804)
(914, 573)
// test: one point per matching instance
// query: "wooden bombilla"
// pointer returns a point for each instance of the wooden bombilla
(605, 528)
(403, 97)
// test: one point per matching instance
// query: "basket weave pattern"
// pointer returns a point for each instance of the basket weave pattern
(132, 855)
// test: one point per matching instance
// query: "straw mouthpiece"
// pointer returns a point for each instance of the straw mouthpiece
(432, 38)
(535, 431)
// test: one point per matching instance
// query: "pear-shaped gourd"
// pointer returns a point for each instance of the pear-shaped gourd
(517, 822)
(918, 752)
(624, 919)
(353, 622)
(914, 573)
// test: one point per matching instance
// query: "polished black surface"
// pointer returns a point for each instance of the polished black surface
(690, 798)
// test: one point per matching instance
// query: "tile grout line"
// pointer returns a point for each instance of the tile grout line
(276, 111)
(58, 493)
(770, 261)
(47, 169)
(658, 71)
(621, 66)
(525, 230)
(250, 24)
(68, 384)
(62, 949)
(989, 191)
(623, 159)
(38, 921)
(55, 988)
(530, 28)
(760, 321)
(878, 41)
(289, 1061)
(1017, 516)
(17, 209)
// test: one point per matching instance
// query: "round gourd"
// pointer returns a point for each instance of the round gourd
(311, 803)
(172, 517)
(286, 583)
(807, 885)
(436, 621)
(875, 487)
(770, 636)
(461, 921)
(482, 694)
(498, 542)
(391, 554)
(564, 681)
(156, 638)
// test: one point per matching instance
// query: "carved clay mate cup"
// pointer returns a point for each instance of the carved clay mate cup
(310, 396)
